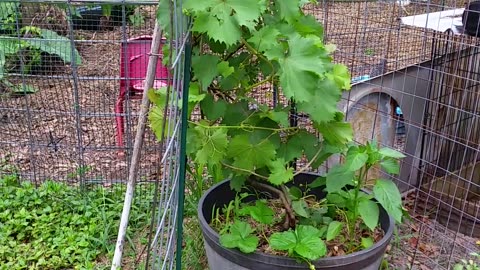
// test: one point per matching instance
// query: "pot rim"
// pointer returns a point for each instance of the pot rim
(378, 245)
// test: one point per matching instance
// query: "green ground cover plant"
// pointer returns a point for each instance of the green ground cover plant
(56, 226)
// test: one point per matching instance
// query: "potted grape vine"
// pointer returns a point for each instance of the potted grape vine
(266, 212)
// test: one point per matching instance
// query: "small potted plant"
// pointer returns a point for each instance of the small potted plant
(266, 212)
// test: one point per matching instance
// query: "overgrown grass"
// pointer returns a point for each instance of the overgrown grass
(56, 226)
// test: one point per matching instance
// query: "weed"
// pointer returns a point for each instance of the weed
(56, 226)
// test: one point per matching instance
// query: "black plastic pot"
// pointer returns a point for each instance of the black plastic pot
(220, 258)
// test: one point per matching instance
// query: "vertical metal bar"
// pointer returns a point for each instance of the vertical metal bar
(76, 97)
(183, 155)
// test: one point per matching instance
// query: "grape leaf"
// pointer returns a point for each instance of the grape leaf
(283, 240)
(388, 195)
(281, 117)
(240, 237)
(322, 106)
(250, 156)
(309, 245)
(222, 28)
(300, 68)
(390, 166)
(300, 208)
(236, 113)
(369, 212)
(280, 174)
(237, 182)
(336, 133)
(389, 152)
(265, 38)
(260, 212)
(205, 68)
(214, 146)
(225, 69)
(212, 109)
(296, 144)
(338, 177)
(155, 118)
(334, 229)
(308, 25)
(288, 9)
(340, 76)
(222, 19)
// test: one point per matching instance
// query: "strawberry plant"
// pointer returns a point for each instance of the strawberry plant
(245, 49)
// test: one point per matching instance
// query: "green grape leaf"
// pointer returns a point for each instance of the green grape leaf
(225, 69)
(205, 68)
(265, 38)
(249, 156)
(281, 117)
(355, 159)
(338, 177)
(246, 11)
(280, 174)
(336, 133)
(322, 106)
(212, 109)
(367, 242)
(388, 195)
(288, 9)
(222, 28)
(222, 19)
(389, 152)
(196, 6)
(300, 208)
(260, 212)
(237, 182)
(369, 212)
(297, 144)
(300, 68)
(236, 113)
(155, 118)
(214, 145)
(334, 229)
(308, 25)
(390, 166)
(309, 245)
(240, 237)
(283, 240)
(340, 76)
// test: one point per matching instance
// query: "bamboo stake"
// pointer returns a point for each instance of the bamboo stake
(150, 77)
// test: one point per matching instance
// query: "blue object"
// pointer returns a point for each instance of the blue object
(360, 78)
(398, 111)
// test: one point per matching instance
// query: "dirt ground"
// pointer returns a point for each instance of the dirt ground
(48, 136)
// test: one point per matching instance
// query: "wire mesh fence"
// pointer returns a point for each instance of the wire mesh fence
(61, 91)
(71, 79)
(64, 65)
(426, 104)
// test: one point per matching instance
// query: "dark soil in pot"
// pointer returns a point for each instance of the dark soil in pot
(222, 258)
